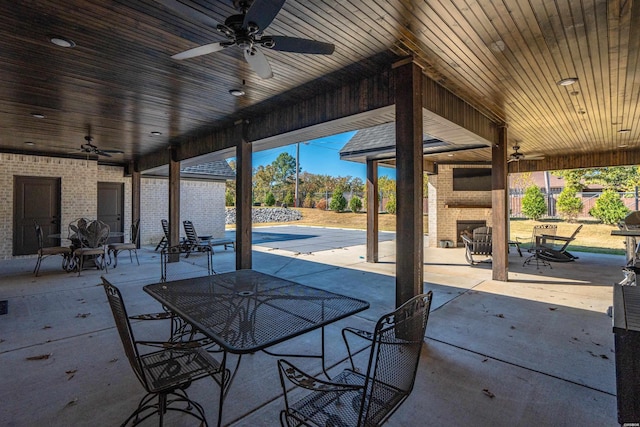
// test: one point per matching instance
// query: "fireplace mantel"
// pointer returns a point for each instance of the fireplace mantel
(465, 206)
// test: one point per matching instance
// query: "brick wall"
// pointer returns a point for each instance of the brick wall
(202, 201)
(442, 219)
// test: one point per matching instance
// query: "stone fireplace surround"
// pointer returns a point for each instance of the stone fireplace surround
(447, 207)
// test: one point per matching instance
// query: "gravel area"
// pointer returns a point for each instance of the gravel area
(266, 215)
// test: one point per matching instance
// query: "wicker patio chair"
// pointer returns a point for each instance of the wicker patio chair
(91, 239)
(44, 252)
(366, 397)
(132, 246)
(166, 373)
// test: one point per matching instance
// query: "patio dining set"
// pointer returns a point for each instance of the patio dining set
(225, 316)
(89, 245)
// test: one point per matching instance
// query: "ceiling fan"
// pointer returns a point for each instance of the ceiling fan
(89, 148)
(245, 30)
(517, 155)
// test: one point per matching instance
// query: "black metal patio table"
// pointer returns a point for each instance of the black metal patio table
(246, 311)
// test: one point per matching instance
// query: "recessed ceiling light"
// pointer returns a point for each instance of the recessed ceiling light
(29, 143)
(497, 46)
(156, 133)
(581, 111)
(38, 115)
(449, 155)
(61, 41)
(236, 92)
(624, 131)
(623, 145)
(567, 81)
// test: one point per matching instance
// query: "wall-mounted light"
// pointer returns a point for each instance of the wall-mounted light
(567, 81)
(62, 41)
(236, 92)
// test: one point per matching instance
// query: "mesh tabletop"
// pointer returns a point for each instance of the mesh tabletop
(245, 310)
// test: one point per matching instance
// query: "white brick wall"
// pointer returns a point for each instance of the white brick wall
(442, 220)
(202, 201)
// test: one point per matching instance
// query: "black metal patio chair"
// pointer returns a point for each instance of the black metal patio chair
(90, 239)
(44, 252)
(366, 397)
(132, 246)
(165, 239)
(194, 243)
(166, 373)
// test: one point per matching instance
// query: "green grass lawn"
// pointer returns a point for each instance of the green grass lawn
(593, 237)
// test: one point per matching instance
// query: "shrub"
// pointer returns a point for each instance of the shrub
(229, 199)
(269, 199)
(569, 205)
(533, 205)
(308, 201)
(391, 204)
(288, 199)
(322, 204)
(338, 202)
(609, 208)
(355, 204)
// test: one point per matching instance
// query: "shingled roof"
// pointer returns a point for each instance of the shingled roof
(379, 143)
(219, 170)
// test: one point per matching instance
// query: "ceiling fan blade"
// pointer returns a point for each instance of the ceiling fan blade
(103, 153)
(258, 63)
(112, 151)
(262, 13)
(189, 12)
(198, 51)
(294, 44)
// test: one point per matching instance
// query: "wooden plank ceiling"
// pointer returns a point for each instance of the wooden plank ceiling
(504, 57)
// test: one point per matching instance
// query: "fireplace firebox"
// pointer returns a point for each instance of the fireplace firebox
(467, 227)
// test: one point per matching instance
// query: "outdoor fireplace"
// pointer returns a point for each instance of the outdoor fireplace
(467, 227)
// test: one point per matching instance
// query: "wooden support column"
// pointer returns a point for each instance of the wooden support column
(135, 196)
(244, 201)
(372, 210)
(409, 134)
(500, 207)
(174, 204)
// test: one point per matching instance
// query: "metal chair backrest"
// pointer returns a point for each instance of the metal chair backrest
(165, 228)
(481, 241)
(94, 235)
(394, 357)
(135, 232)
(39, 236)
(124, 328)
(190, 231)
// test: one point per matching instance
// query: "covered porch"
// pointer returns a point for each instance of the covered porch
(536, 350)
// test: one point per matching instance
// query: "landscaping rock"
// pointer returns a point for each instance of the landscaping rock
(266, 215)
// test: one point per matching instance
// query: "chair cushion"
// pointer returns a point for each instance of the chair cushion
(122, 246)
(54, 250)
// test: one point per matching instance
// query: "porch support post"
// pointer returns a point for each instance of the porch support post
(372, 210)
(244, 200)
(174, 204)
(135, 196)
(499, 207)
(409, 134)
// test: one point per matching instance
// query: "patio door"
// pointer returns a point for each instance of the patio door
(35, 199)
(111, 206)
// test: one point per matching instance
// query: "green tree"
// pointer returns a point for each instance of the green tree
(288, 199)
(355, 204)
(284, 167)
(229, 198)
(338, 202)
(533, 205)
(391, 204)
(569, 204)
(269, 199)
(609, 208)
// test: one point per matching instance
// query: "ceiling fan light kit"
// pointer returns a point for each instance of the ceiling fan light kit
(245, 30)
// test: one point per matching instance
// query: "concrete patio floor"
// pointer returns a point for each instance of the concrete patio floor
(534, 351)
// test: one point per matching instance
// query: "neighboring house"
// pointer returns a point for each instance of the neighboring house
(72, 188)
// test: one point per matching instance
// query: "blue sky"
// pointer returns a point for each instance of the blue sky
(321, 157)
